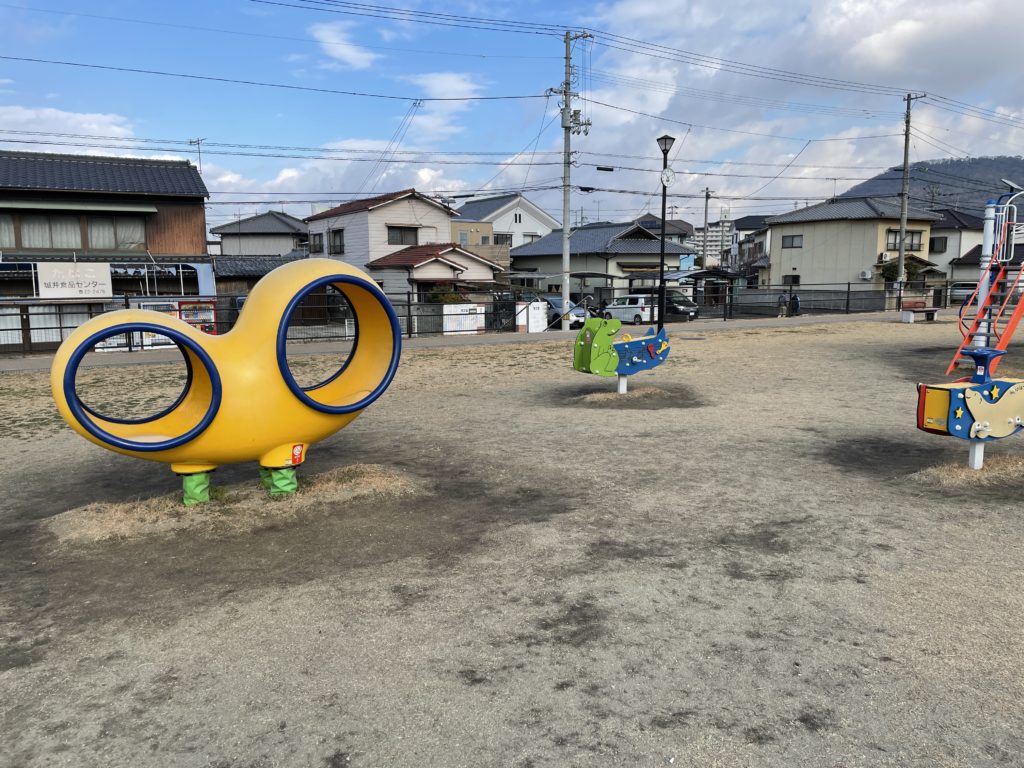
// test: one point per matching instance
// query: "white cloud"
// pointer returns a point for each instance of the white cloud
(334, 40)
(437, 120)
(47, 119)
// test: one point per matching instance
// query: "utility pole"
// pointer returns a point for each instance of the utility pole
(199, 149)
(904, 196)
(704, 245)
(572, 122)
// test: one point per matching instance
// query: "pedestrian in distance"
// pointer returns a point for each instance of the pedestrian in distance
(794, 305)
(782, 305)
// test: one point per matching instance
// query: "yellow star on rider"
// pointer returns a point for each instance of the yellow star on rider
(995, 392)
(959, 413)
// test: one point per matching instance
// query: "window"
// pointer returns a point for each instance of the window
(316, 242)
(131, 233)
(937, 245)
(792, 241)
(463, 238)
(402, 235)
(127, 233)
(51, 232)
(553, 288)
(101, 234)
(485, 239)
(503, 238)
(336, 241)
(6, 230)
(530, 237)
(517, 218)
(911, 243)
(791, 279)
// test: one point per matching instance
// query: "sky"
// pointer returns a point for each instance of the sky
(300, 104)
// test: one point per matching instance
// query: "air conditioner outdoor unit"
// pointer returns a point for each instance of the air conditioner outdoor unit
(867, 274)
(883, 257)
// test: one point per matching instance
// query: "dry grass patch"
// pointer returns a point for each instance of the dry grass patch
(639, 393)
(997, 471)
(232, 510)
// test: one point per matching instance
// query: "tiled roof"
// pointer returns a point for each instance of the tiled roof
(973, 256)
(852, 208)
(479, 210)
(415, 255)
(352, 206)
(672, 226)
(957, 220)
(603, 238)
(747, 223)
(88, 173)
(252, 266)
(269, 223)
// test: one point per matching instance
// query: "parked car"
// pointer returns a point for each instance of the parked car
(678, 304)
(577, 314)
(961, 292)
(636, 308)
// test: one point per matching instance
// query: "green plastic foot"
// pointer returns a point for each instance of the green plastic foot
(266, 476)
(196, 488)
(283, 482)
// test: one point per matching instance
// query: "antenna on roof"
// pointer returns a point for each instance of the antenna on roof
(199, 149)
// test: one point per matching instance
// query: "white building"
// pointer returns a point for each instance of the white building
(514, 219)
(269, 234)
(361, 231)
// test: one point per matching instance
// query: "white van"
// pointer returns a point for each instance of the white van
(636, 308)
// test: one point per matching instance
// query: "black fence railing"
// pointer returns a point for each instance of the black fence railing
(37, 325)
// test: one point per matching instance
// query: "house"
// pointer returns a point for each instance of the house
(273, 233)
(422, 270)
(603, 258)
(743, 228)
(513, 221)
(967, 268)
(676, 230)
(845, 240)
(361, 231)
(77, 230)
(952, 237)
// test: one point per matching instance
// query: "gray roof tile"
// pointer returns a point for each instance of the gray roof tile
(479, 210)
(252, 266)
(269, 223)
(603, 238)
(847, 208)
(87, 173)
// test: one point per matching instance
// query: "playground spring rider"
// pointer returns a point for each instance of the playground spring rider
(240, 401)
(596, 350)
(981, 409)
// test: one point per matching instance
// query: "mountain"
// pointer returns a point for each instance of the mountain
(963, 185)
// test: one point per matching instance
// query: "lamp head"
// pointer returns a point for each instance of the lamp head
(1007, 182)
(665, 143)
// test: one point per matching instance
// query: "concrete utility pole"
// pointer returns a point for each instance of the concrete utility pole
(901, 274)
(704, 245)
(572, 122)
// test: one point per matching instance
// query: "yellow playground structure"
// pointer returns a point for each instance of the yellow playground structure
(241, 402)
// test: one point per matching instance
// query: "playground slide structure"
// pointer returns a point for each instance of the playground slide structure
(241, 401)
(597, 352)
(981, 408)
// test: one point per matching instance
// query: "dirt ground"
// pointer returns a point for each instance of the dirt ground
(758, 561)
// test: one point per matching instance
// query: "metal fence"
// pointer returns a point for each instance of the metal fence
(34, 325)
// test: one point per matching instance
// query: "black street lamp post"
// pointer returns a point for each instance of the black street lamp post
(667, 178)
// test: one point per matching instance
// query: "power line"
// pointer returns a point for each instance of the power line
(211, 78)
(240, 33)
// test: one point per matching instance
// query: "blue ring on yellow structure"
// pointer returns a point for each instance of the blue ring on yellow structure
(82, 416)
(282, 341)
(184, 391)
